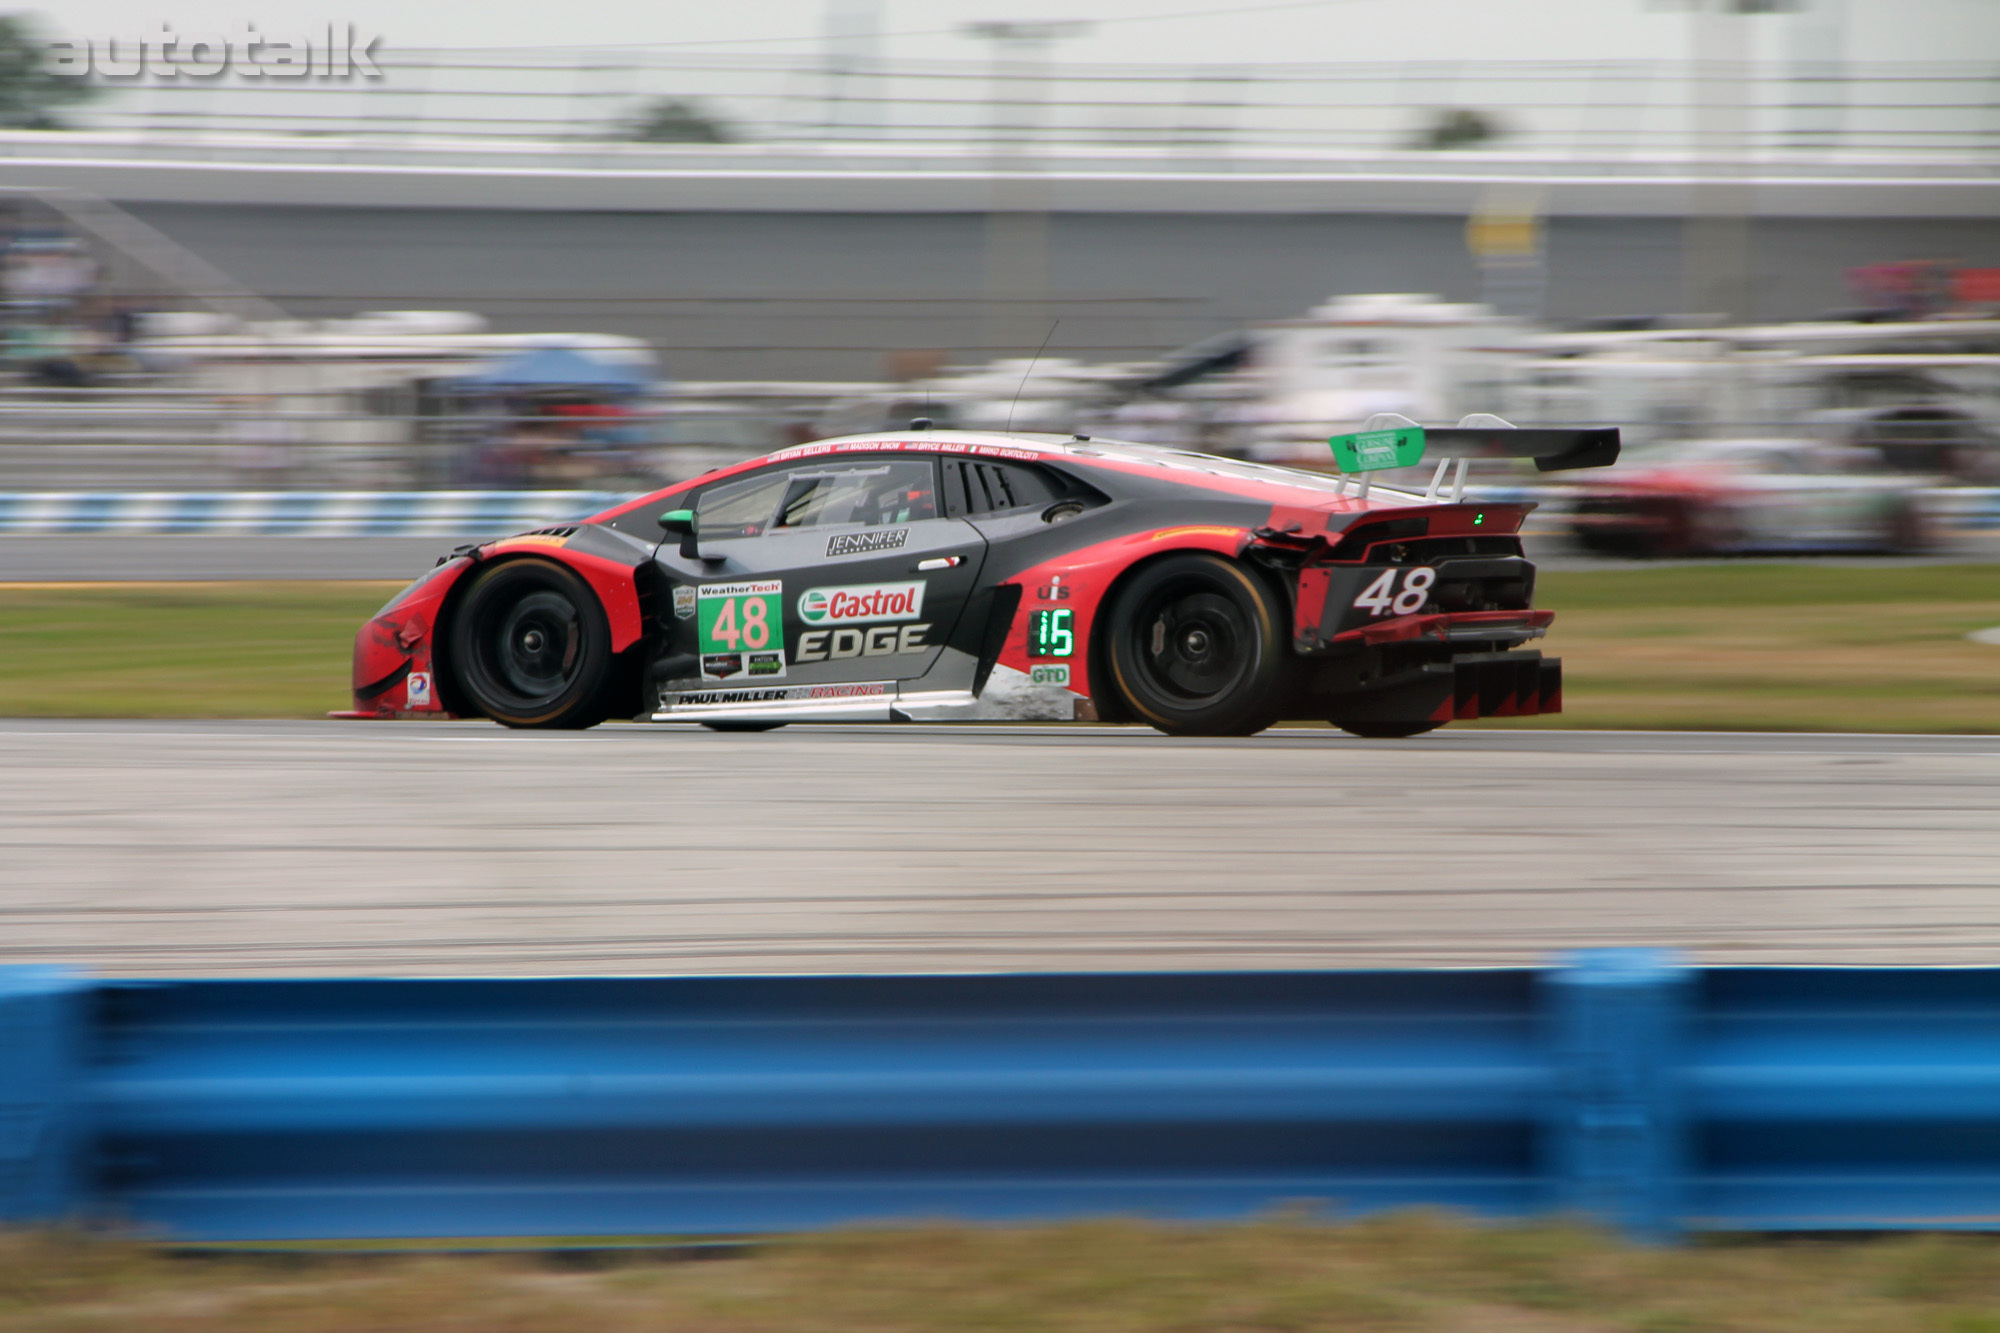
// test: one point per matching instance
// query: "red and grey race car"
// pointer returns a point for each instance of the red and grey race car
(930, 575)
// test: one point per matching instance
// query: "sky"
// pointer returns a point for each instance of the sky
(1139, 31)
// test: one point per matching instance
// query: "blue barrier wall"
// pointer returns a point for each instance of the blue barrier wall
(293, 513)
(1652, 1096)
(465, 514)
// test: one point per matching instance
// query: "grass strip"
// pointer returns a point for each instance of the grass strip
(1411, 1272)
(262, 649)
(1734, 646)
(1776, 647)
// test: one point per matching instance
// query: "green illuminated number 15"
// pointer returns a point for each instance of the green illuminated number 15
(1052, 634)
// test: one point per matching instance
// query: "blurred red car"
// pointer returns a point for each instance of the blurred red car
(1728, 497)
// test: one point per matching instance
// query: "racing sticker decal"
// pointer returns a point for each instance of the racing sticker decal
(684, 601)
(742, 629)
(834, 645)
(844, 609)
(861, 543)
(418, 689)
(1056, 674)
(782, 694)
(862, 602)
(913, 446)
(1381, 597)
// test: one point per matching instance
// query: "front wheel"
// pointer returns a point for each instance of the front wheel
(1197, 647)
(530, 646)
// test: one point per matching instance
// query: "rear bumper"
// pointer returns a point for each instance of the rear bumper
(1448, 627)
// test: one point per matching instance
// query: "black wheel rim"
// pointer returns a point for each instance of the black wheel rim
(532, 647)
(1194, 645)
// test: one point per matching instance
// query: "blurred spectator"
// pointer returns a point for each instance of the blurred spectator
(264, 452)
(47, 283)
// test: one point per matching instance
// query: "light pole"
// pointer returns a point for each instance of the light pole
(852, 98)
(1716, 276)
(1017, 219)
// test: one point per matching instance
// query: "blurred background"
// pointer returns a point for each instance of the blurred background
(599, 252)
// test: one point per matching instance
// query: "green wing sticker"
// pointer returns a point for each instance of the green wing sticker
(1374, 450)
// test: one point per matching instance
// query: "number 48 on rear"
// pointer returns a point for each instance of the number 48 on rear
(1381, 598)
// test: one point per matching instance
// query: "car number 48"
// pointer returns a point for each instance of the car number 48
(1383, 598)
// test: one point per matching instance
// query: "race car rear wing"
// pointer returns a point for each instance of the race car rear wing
(1561, 449)
(1389, 440)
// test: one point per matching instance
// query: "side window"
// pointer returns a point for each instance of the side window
(871, 494)
(740, 508)
(977, 487)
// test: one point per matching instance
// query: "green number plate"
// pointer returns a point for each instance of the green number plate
(742, 629)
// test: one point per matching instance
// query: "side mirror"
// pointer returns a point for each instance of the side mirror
(683, 523)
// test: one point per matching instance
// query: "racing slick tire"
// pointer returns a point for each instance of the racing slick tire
(1196, 646)
(1377, 730)
(531, 647)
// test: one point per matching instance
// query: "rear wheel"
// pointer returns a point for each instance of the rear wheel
(1196, 646)
(531, 647)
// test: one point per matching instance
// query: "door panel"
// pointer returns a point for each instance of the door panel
(851, 577)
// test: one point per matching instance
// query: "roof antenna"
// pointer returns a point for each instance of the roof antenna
(1029, 371)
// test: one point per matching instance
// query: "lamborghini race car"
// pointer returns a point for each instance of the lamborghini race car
(927, 575)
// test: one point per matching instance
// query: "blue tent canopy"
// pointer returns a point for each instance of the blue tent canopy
(557, 368)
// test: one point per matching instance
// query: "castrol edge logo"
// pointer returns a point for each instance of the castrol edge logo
(862, 603)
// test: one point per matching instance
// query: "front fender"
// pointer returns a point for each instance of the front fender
(615, 583)
(397, 658)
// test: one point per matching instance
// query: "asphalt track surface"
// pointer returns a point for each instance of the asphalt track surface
(218, 848)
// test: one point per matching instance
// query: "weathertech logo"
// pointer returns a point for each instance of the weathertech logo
(864, 602)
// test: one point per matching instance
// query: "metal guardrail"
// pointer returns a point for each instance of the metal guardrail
(732, 102)
(1652, 1096)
